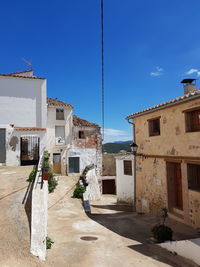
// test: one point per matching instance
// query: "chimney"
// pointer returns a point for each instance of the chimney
(189, 85)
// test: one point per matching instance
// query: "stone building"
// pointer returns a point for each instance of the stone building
(86, 146)
(168, 157)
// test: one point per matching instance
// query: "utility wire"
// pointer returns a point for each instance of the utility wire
(102, 64)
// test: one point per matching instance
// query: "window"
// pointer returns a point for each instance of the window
(60, 114)
(154, 127)
(193, 176)
(127, 167)
(192, 120)
(60, 135)
(81, 135)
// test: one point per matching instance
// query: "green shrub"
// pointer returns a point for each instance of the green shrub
(46, 155)
(79, 190)
(32, 176)
(49, 242)
(52, 182)
(162, 233)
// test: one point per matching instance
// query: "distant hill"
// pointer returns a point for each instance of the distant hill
(117, 147)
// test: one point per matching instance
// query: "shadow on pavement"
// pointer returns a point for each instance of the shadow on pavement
(27, 200)
(138, 228)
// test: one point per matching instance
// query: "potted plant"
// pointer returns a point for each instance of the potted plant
(161, 232)
(45, 169)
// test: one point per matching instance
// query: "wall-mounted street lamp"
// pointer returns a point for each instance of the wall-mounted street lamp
(134, 148)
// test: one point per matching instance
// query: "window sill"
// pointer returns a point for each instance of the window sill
(194, 190)
(154, 135)
(195, 131)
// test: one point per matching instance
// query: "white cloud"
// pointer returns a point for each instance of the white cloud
(113, 135)
(193, 71)
(157, 72)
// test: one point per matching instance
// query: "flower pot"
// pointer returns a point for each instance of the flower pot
(45, 176)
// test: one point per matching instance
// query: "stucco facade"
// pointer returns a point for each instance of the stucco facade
(174, 144)
(23, 117)
(124, 183)
(59, 141)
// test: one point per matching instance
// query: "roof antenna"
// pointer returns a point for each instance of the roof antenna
(28, 63)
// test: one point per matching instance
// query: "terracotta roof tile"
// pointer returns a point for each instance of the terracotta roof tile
(56, 102)
(174, 101)
(29, 128)
(83, 123)
(18, 75)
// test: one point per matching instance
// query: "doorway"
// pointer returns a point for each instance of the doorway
(174, 187)
(2, 145)
(30, 150)
(108, 187)
(57, 163)
(74, 165)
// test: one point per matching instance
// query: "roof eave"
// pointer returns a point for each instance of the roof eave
(60, 106)
(21, 77)
(162, 107)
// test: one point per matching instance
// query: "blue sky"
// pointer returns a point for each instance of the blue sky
(149, 47)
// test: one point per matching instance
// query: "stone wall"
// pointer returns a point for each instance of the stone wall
(109, 165)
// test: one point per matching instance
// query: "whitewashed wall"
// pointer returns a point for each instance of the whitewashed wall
(39, 215)
(52, 123)
(23, 101)
(13, 151)
(87, 156)
(124, 183)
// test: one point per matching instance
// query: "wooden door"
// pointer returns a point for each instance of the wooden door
(2, 145)
(74, 165)
(174, 184)
(57, 163)
(178, 186)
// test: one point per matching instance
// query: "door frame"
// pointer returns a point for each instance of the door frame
(174, 187)
(79, 160)
(57, 154)
(4, 144)
(29, 161)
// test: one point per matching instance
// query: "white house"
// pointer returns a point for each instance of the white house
(73, 143)
(31, 122)
(125, 178)
(59, 133)
(22, 118)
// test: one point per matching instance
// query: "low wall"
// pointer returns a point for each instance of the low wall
(187, 248)
(39, 215)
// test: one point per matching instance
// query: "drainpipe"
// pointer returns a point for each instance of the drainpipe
(134, 141)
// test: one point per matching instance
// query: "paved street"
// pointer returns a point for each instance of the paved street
(14, 219)
(122, 237)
